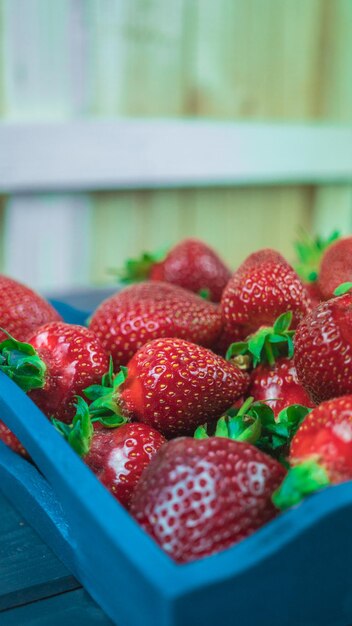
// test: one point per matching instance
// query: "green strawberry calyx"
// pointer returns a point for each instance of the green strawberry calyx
(309, 252)
(267, 344)
(104, 398)
(342, 289)
(79, 433)
(138, 269)
(242, 425)
(300, 481)
(21, 362)
(255, 422)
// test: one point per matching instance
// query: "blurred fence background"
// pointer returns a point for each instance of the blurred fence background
(235, 60)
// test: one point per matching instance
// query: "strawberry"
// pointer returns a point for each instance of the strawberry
(323, 349)
(172, 385)
(57, 363)
(336, 266)
(278, 385)
(191, 264)
(117, 455)
(274, 378)
(149, 310)
(196, 498)
(263, 287)
(22, 310)
(321, 452)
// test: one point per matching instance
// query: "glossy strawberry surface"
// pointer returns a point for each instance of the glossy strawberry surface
(174, 386)
(326, 437)
(198, 497)
(118, 456)
(193, 265)
(22, 310)
(336, 266)
(149, 310)
(278, 385)
(323, 349)
(74, 358)
(262, 288)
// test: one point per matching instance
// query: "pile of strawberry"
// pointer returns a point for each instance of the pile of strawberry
(205, 401)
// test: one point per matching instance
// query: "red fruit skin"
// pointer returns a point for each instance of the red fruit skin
(118, 457)
(12, 441)
(227, 337)
(263, 287)
(198, 497)
(314, 293)
(336, 266)
(323, 349)
(326, 436)
(175, 386)
(149, 310)
(75, 360)
(193, 265)
(278, 381)
(22, 310)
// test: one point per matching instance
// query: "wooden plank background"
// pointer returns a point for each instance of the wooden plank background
(230, 59)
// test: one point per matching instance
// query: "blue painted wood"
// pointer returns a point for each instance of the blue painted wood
(28, 568)
(69, 313)
(71, 609)
(301, 560)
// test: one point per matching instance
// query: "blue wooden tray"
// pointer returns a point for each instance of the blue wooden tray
(295, 570)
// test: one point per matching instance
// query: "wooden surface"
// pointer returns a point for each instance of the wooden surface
(36, 589)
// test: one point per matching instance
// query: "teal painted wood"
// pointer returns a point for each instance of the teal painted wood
(69, 609)
(276, 577)
(29, 570)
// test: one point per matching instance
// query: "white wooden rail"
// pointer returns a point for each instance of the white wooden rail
(93, 155)
(84, 156)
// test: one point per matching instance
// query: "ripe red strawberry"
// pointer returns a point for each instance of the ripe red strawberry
(149, 310)
(274, 378)
(199, 497)
(117, 455)
(56, 364)
(336, 266)
(321, 452)
(191, 264)
(263, 287)
(173, 386)
(278, 385)
(323, 349)
(22, 310)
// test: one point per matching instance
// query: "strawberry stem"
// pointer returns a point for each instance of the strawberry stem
(300, 481)
(269, 353)
(138, 269)
(79, 434)
(104, 398)
(267, 344)
(309, 251)
(21, 362)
